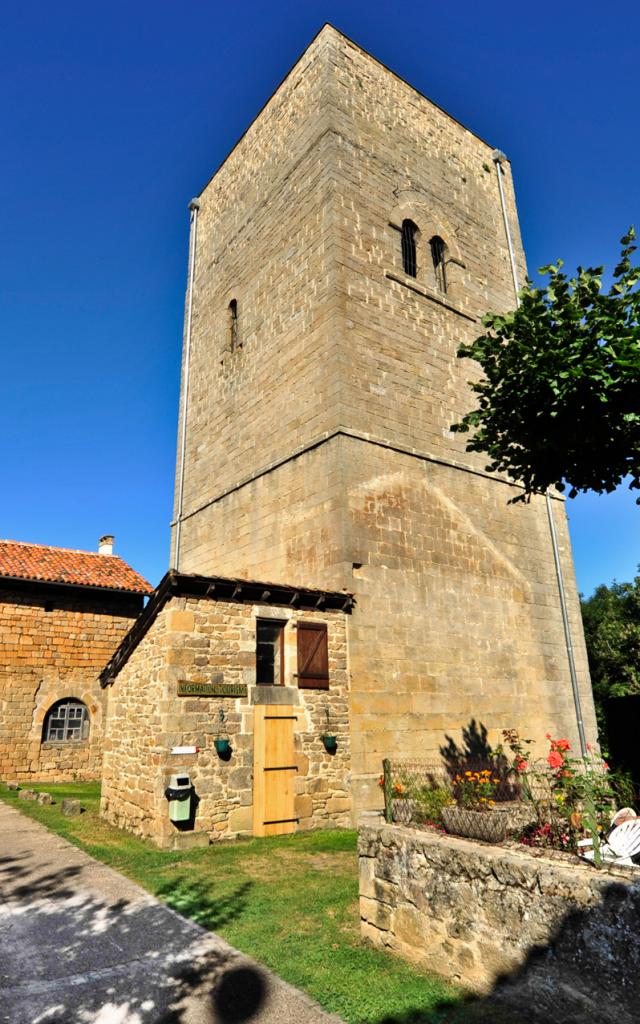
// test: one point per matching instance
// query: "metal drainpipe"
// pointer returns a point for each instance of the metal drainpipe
(194, 206)
(497, 156)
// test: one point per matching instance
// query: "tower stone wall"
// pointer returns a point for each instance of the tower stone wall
(318, 444)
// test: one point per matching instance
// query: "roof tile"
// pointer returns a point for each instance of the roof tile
(19, 560)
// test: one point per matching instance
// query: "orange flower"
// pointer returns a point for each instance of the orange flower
(555, 760)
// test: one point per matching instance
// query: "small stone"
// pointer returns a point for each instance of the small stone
(27, 794)
(13, 785)
(45, 798)
(71, 808)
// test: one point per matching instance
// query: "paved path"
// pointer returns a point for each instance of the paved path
(81, 944)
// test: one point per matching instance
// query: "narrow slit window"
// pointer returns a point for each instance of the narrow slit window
(233, 325)
(269, 652)
(409, 258)
(439, 257)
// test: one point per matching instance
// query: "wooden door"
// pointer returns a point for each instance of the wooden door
(274, 770)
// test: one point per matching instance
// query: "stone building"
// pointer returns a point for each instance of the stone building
(62, 615)
(346, 247)
(259, 670)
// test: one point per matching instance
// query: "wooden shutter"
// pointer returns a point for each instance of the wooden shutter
(313, 656)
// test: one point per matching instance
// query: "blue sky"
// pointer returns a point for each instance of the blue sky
(113, 115)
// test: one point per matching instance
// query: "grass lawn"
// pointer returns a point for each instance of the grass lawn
(288, 901)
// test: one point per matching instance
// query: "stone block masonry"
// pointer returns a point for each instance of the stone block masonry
(319, 449)
(548, 933)
(53, 644)
(205, 641)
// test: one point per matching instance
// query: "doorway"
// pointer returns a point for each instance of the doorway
(274, 770)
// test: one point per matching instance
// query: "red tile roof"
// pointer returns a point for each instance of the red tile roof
(19, 560)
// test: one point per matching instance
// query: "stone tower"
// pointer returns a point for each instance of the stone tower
(342, 252)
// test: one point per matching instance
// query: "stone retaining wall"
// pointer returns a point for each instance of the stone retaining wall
(515, 925)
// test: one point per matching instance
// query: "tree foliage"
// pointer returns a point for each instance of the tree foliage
(611, 618)
(559, 402)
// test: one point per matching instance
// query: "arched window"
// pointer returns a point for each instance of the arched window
(66, 720)
(439, 257)
(233, 324)
(409, 261)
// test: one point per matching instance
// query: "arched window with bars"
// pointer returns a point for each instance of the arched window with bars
(439, 258)
(66, 721)
(409, 256)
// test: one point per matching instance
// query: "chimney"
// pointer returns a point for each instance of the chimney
(105, 544)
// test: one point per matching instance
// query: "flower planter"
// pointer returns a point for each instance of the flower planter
(330, 743)
(222, 746)
(402, 810)
(491, 826)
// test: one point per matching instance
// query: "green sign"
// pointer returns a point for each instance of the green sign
(186, 689)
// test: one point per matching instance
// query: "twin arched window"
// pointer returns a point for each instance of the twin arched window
(66, 721)
(410, 257)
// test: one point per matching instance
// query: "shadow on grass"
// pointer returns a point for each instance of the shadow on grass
(193, 899)
(469, 1012)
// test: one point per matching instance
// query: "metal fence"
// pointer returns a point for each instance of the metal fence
(448, 796)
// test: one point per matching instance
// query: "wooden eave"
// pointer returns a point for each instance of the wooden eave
(220, 588)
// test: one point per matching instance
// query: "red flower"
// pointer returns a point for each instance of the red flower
(520, 764)
(562, 745)
(555, 760)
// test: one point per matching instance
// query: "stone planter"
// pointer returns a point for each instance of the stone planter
(491, 826)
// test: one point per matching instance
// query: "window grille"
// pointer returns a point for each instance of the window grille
(409, 260)
(68, 720)
(439, 257)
